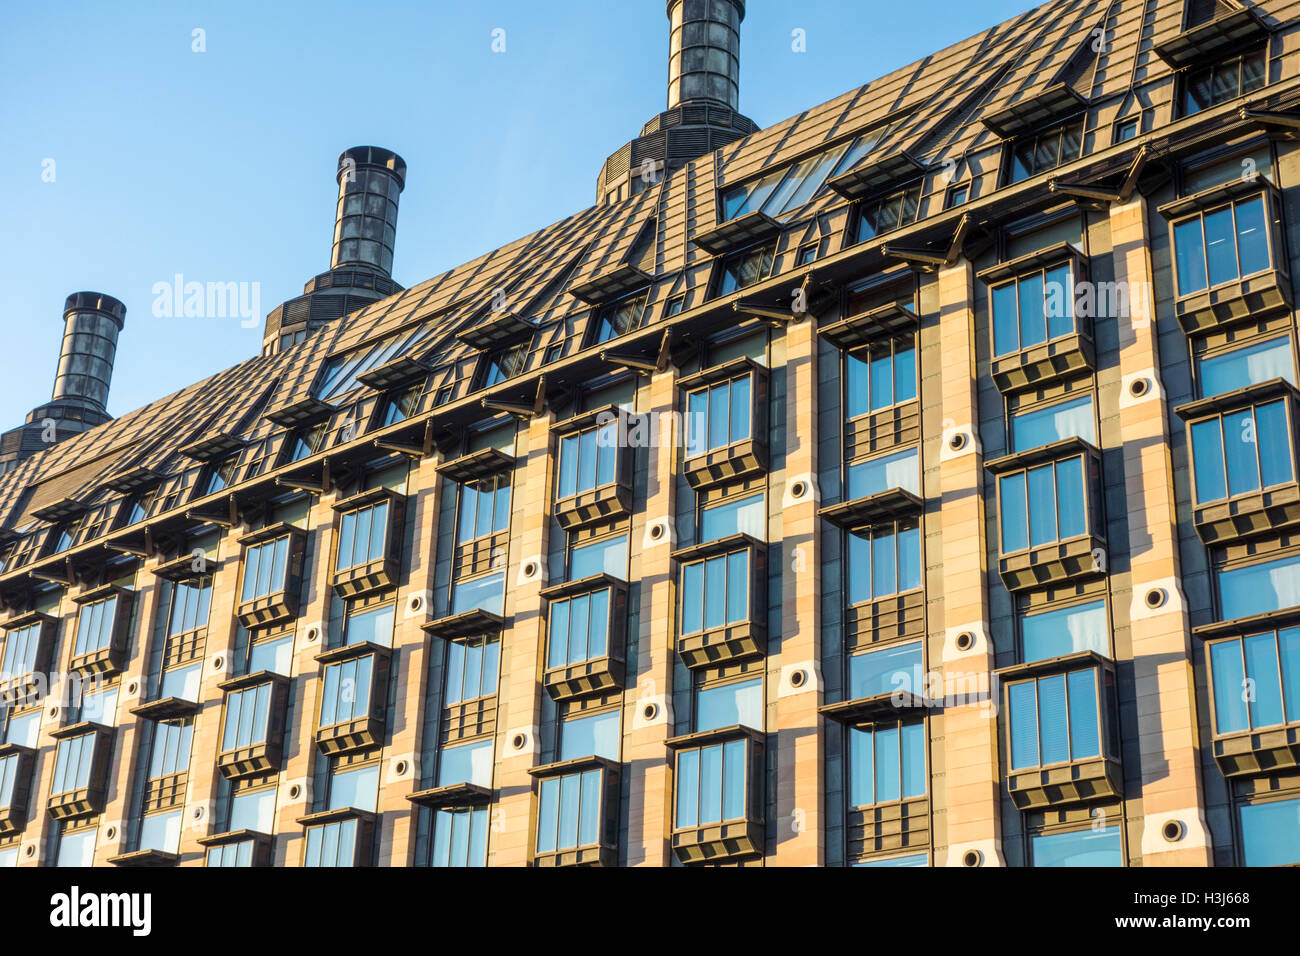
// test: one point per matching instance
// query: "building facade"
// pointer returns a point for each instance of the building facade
(911, 482)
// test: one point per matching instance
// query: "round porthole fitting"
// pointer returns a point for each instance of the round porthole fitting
(957, 441)
(295, 791)
(54, 711)
(797, 677)
(1173, 831)
(798, 489)
(650, 711)
(518, 741)
(198, 813)
(965, 641)
(132, 688)
(313, 633)
(530, 568)
(217, 663)
(1155, 598)
(415, 603)
(400, 768)
(1139, 387)
(656, 530)
(972, 858)
(30, 851)
(111, 833)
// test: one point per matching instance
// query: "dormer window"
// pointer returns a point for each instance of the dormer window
(1038, 152)
(306, 442)
(402, 404)
(791, 187)
(1223, 81)
(619, 318)
(746, 268)
(222, 475)
(506, 364)
(879, 216)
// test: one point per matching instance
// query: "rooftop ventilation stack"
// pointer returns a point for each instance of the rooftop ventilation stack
(703, 100)
(370, 180)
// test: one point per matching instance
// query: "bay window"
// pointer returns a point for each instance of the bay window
(1043, 504)
(879, 216)
(722, 587)
(1054, 719)
(353, 698)
(1242, 451)
(718, 416)
(883, 560)
(459, 837)
(1032, 309)
(339, 838)
(586, 627)
(369, 540)
(1256, 680)
(886, 763)
(577, 806)
(718, 794)
(1221, 245)
(99, 646)
(252, 735)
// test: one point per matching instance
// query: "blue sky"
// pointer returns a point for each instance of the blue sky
(219, 165)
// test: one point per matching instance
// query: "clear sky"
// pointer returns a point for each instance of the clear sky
(219, 165)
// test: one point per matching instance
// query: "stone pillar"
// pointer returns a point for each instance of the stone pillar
(797, 740)
(1163, 676)
(967, 758)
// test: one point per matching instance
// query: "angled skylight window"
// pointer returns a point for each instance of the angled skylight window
(340, 373)
(791, 187)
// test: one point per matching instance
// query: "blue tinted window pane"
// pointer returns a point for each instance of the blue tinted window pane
(589, 823)
(862, 768)
(1051, 719)
(558, 654)
(1078, 848)
(730, 704)
(856, 387)
(1207, 461)
(1261, 668)
(886, 670)
(1006, 332)
(1247, 366)
(715, 592)
(1070, 498)
(888, 783)
(883, 556)
(1289, 648)
(1221, 250)
(568, 466)
(1252, 236)
(609, 556)
(1085, 730)
(1239, 445)
(1015, 536)
(1024, 725)
(899, 470)
(569, 793)
(1059, 291)
(913, 760)
(688, 782)
(579, 623)
(693, 598)
(1274, 443)
(1033, 320)
(909, 557)
(904, 375)
(1042, 506)
(737, 587)
(1189, 250)
(915, 859)
(1044, 426)
(1065, 631)
(486, 593)
(548, 814)
(587, 460)
(859, 568)
(733, 805)
(740, 408)
(1270, 586)
(697, 417)
(711, 784)
(598, 634)
(1270, 833)
(587, 736)
(719, 415)
(882, 381)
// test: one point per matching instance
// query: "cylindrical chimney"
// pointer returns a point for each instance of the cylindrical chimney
(365, 225)
(704, 52)
(91, 323)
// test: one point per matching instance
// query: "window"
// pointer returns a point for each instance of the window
(1245, 366)
(675, 305)
(339, 375)
(362, 536)
(466, 763)
(588, 459)
(912, 859)
(264, 569)
(746, 268)
(345, 694)
(883, 215)
(715, 592)
(161, 831)
(471, 669)
(1270, 833)
(22, 646)
(1054, 719)
(247, 713)
(886, 763)
(253, 810)
(373, 625)
(1257, 588)
(1040, 152)
(306, 442)
(893, 668)
(221, 476)
(719, 415)
(486, 593)
(1211, 85)
(579, 629)
(746, 515)
(957, 196)
(1256, 680)
(460, 837)
(1032, 309)
(1239, 452)
(100, 707)
(619, 318)
(76, 849)
(898, 470)
(609, 555)
(505, 364)
(880, 376)
(884, 560)
(95, 626)
(273, 654)
(171, 747)
(1067, 630)
(356, 787)
(484, 508)
(191, 601)
(791, 187)
(403, 404)
(1078, 848)
(231, 854)
(64, 538)
(570, 810)
(1127, 129)
(712, 784)
(727, 705)
(181, 681)
(72, 764)
(593, 735)
(8, 779)
(21, 729)
(9, 854)
(1042, 426)
(1042, 505)
(332, 844)
(1221, 245)
(807, 253)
